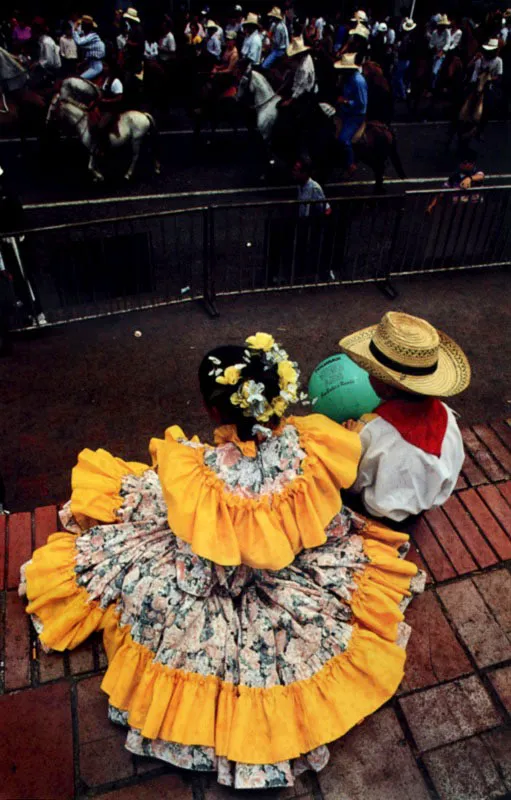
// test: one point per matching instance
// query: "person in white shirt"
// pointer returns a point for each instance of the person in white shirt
(303, 74)
(279, 38)
(252, 47)
(440, 42)
(490, 62)
(68, 51)
(412, 449)
(213, 40)
(312, 198)
(48, 61)
(320, 27)
(167, 45)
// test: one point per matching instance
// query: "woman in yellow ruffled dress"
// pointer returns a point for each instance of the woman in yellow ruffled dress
(249, 619)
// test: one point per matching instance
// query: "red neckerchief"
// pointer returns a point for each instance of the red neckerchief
(422, 423)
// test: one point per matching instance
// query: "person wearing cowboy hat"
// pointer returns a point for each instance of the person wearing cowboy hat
(279, 37)
(92, 46)
(135, 43)
(406, 56)
(213, 40)
(360, 18)
(252, 47)
(358, 40)
(412, 449)
(489, 62)
(300, 84)
(440, 42)
(351, 105)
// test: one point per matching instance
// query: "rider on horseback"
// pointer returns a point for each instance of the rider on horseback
(110, 105)
(279, 38)
(351, 105)
(92, 46)
(300, 83)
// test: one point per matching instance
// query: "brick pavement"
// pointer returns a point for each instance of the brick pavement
(445, 736)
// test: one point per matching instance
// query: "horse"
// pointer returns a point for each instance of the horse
(468, 120)
(15, 90)
(375, 147)
(72, 108)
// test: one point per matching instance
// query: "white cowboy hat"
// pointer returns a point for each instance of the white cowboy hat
(360, 16)
(360, 30)
(410, 354)
(491, 44)
(444, 20)
(238, 9)
(211, 24)
(251, 19)
(231, 35)
(131, 14)
(382, 27)
(346, 61)
(296, 47)
(409, 25)
(276, 13)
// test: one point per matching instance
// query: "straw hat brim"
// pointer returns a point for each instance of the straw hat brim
(340, 65)
(131, 17)
(407, 26)
(490, 49)
(451, 376)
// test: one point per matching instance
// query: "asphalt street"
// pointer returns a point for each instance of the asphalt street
(227, 170)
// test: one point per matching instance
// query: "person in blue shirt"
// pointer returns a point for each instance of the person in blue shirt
(351, 105)
(279, 38)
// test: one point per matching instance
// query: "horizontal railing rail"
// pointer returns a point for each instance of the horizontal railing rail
(78, 270)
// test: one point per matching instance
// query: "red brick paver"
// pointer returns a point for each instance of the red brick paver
(483, 636)
(458, 554)
(19, 539)
(494, 533)
(438, 563)
(3, 543)
(498, 450)
(36, 746)
(471, 472)
(106, 760)
(17, 644)
(449, 712)
(45, 524)
(433, 653)
(501, 680)
(465, 771)
(373, 762)
(495, 587)
(498, 506)
(483, 457)
(469, 532)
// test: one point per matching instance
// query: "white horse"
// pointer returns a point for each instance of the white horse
(265, 101)
(72, 106)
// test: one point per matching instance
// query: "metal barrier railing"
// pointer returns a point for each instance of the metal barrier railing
(109, 266)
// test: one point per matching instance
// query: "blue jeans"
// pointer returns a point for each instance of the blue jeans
(399, 84)
(272, 57)
(437, 66)
(350, 126)
(94, 68)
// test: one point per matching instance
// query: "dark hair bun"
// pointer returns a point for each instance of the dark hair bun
(218, 396)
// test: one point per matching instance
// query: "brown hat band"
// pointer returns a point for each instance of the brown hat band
(404, 369)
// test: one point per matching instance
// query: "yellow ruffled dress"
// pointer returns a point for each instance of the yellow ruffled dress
(248, 618)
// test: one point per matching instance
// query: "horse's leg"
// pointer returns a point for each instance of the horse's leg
(136, 144)
(93, 169)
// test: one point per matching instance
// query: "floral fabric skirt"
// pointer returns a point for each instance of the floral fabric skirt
(244, 672)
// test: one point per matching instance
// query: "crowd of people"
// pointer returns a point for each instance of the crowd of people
(303, 55)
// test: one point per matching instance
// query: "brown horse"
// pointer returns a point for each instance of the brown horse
(468, 121)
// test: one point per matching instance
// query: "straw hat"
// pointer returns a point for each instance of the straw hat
(251, 19)
(409, 25)
(276, 13)
(491, 44)
(409, 353)
(346, 61)
(131, 14)
(382, 27)
(231, 35)
(296, 47)
(443, 20)
(360, 16)
(89, 19)
(507, 13)
(211, 24)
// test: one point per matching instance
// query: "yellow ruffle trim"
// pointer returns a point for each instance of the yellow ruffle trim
(267, 532)
(249, 725)
(96, 484)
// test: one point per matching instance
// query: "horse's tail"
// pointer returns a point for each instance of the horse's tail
(395, 157)
(154, 138)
